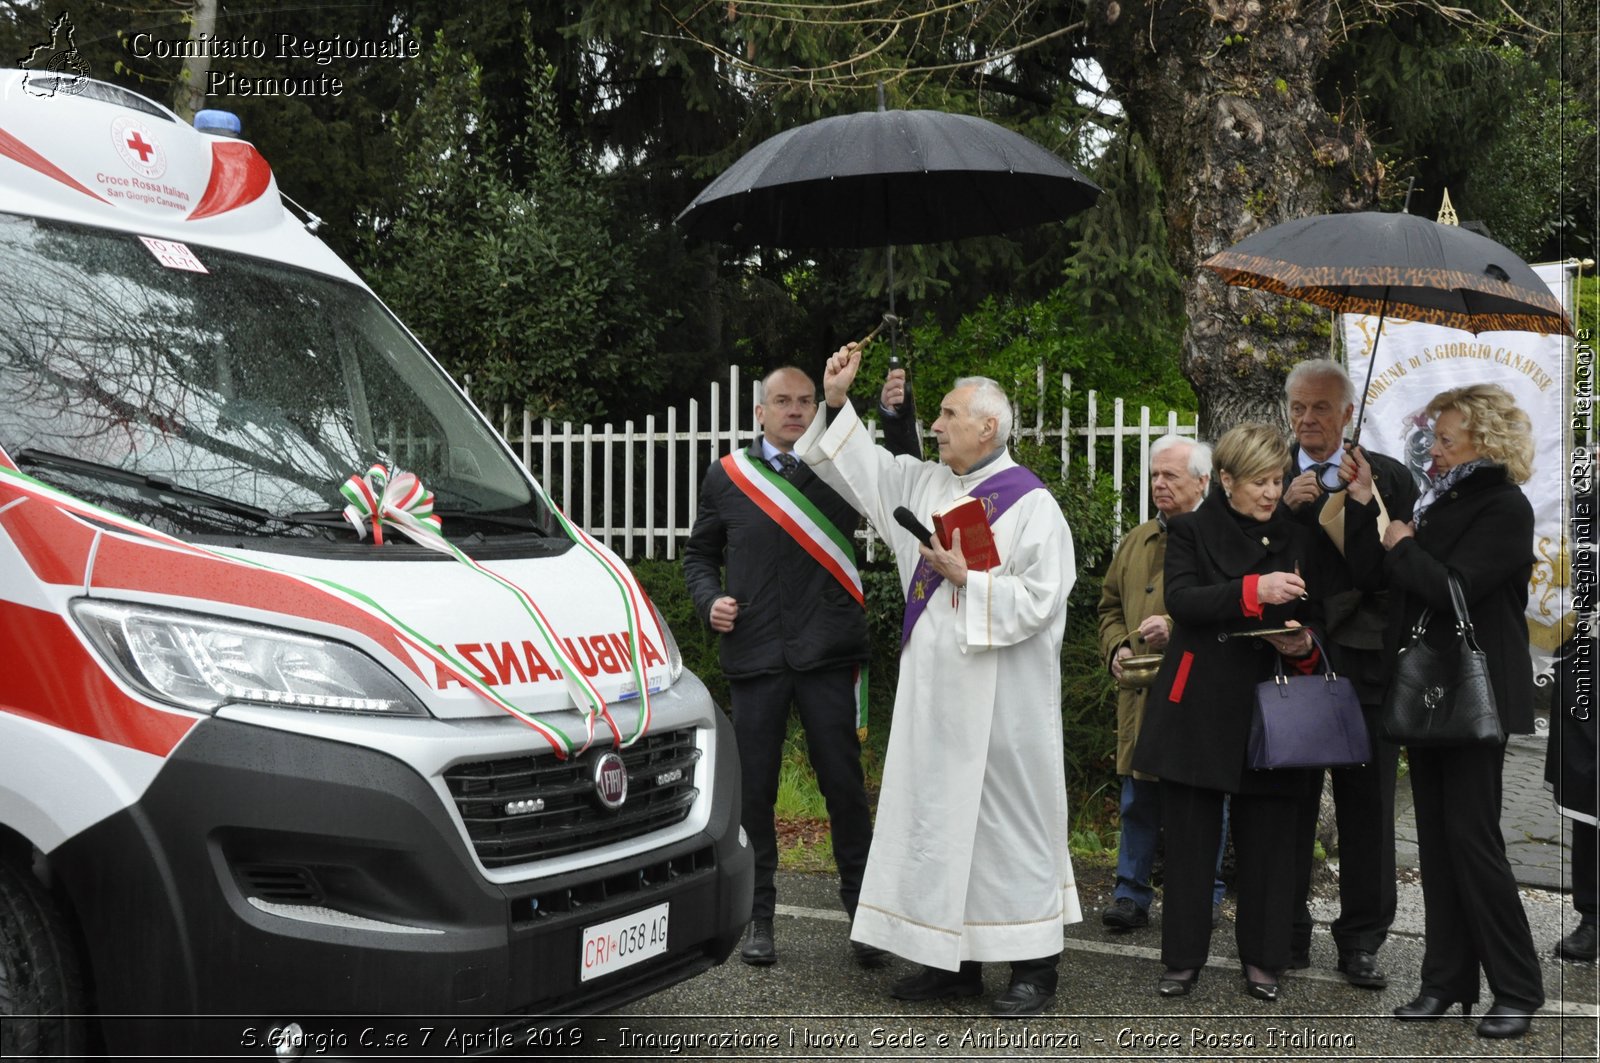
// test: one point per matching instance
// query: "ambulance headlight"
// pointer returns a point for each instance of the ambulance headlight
(674, 655)
(203, 663)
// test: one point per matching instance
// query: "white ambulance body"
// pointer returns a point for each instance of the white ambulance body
(254, 765)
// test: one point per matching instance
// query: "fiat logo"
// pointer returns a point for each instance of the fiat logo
(610, 780)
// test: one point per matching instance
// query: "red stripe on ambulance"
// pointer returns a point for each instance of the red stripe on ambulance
(55, 545)
(122, 564)
(66, 687)
(239, 175)
(12, 148)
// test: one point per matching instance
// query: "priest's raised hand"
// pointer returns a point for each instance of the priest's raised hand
(840, 373)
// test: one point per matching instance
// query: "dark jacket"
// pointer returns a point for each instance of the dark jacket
(1571, 759)
(1197, 719)
(1482, 530)
(792, 613)
(1355, 618)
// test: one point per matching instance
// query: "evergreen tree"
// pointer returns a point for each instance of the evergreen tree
(518, 281)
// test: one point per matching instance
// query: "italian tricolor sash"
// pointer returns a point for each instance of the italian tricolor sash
(807, 525)
(795, 514)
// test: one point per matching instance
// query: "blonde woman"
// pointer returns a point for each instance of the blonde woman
(1233, 566)
(1474, 522)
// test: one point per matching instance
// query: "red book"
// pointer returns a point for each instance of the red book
(967, 515)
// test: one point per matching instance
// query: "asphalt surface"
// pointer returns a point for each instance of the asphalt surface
(816, 1003)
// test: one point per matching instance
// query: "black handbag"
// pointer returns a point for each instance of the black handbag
(1441, 697)
(1307, 721)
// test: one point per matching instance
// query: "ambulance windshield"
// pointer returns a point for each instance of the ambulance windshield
(248, 389)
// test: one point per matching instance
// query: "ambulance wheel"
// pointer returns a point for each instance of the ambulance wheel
(40, 979)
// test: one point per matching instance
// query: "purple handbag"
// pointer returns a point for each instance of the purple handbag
(1307, 721)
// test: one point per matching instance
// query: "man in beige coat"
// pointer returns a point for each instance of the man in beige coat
(1133, 622)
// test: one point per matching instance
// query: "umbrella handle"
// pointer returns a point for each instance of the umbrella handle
(1372, 363)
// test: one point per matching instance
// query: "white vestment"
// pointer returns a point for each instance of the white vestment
(969, 856)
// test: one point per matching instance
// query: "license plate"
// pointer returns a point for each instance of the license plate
(619, 943)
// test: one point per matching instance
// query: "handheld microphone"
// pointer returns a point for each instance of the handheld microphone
(907, 520)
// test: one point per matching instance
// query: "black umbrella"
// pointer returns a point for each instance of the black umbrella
(1370, 263)
(886, 177)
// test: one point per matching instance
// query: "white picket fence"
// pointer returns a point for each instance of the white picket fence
(636, 487)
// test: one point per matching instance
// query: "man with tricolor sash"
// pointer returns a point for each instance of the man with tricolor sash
(969, 860)
(771, 567)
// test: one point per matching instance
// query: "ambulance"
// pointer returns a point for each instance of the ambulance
(315, 711)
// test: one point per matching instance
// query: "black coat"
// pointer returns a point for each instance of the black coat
(1570, 757)
(793, 614)
(1197, 719)
(1482, 531)
(1355, 618)
(1570, 763)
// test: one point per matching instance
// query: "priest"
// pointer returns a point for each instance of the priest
(969, 859)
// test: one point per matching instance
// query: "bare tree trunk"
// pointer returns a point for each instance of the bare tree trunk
(1224, 93)
(192, 81)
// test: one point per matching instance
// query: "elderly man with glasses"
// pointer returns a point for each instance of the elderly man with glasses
(1321, 401)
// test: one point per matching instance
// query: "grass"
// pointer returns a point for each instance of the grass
(808, 849)
(804, 841)
(798, 797)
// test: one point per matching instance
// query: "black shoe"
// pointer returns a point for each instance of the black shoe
(932, 983)
(1259, 987)
(1427, 1009)
(758, 950)
(1360, 968)
(1124, 914)
(1173, 984)
(1583, 944)
(1504, 1021)
(1021, 1000)
(1267, 991)
(869, 956)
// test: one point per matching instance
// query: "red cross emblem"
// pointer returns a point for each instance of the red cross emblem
(137, 143)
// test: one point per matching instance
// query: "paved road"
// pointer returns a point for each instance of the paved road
(815, 1003)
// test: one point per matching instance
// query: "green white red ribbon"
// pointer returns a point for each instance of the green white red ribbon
(427, 533)
(389, 495)
(632, 605)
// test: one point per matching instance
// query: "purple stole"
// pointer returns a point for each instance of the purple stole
(997, 494)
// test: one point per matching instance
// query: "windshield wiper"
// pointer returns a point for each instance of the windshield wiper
(521, 523)
(160, 484)
(335, 517)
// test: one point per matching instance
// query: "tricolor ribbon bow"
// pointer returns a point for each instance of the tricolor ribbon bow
(387, 495)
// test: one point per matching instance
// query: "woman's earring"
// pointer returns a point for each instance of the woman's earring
(1227, 494)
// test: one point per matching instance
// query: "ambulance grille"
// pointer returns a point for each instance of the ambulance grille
(518, 809)
(280, 883)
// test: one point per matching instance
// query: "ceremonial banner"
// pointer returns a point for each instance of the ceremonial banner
(1416, 361)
